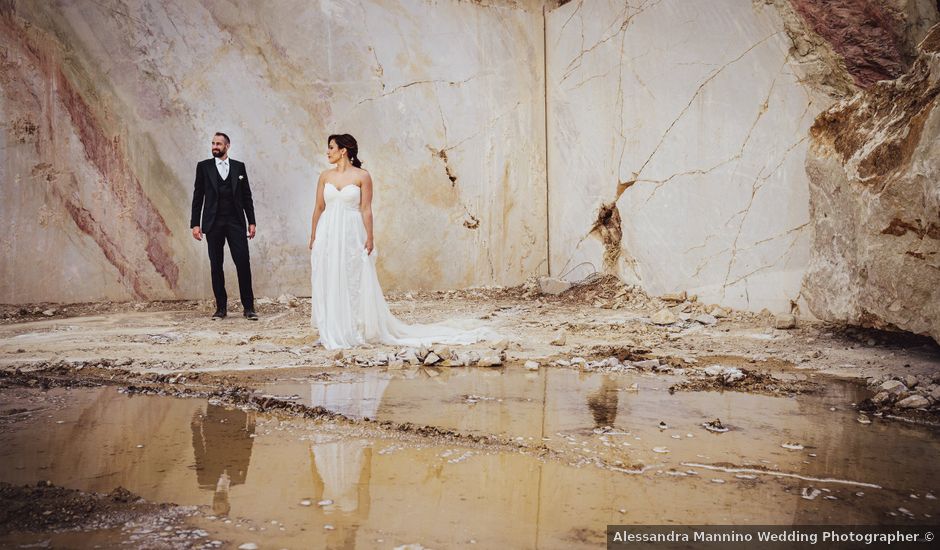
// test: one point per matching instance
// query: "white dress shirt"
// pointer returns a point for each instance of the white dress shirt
(222, 166)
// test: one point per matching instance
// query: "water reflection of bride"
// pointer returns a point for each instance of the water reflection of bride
(342, 469)
(341, 472)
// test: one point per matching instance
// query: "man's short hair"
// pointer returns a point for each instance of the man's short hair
(224, 135)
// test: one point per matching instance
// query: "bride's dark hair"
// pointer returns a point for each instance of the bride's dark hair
(346, 141)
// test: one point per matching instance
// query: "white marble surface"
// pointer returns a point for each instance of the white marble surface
(693, 109)
(696, 108)
(408, 78)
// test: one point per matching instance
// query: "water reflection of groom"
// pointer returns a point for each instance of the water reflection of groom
(222, 446)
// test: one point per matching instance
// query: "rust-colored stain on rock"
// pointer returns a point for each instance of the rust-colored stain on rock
(896, 109)
(106, 153)
(608, 228)
(899, 228)
(87, 223)
(863, 32)
(442, 154)
(472, 223)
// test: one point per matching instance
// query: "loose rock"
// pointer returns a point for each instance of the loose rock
(718, 312)
(706, 319)
(646, 364)
(894, 387)
(715, 426)
(913, 402)
(675, 297)
(785, 321)
(663, 317)
(490, 360)
(500, 345)
(882, 398)
(288, 300)
(410, 355)
(553, 286)
(934, 394)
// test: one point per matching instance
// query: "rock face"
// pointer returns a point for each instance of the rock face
(874, 168)
(840, 46)
(875, 39)
(107, 106)
(677, 132)
(664, 142)
(688, 178)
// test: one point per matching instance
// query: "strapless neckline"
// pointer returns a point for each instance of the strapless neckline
(340, 189)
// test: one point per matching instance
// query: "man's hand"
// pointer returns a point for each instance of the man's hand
(197, 233)
(251, 231)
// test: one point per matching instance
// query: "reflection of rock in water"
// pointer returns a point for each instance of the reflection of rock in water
(603, 403)
(222, 445)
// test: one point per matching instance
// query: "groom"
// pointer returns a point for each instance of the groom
(223, 196)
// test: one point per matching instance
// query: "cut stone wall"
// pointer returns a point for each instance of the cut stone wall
(664, 141)
(107, 107)
(685, 124)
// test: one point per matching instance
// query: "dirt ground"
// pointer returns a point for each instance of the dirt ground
(599, 319)
(602, 326)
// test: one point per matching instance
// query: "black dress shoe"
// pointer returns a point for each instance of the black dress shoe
(219, 314)
(251, 315)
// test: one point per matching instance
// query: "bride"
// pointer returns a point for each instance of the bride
(348, 307)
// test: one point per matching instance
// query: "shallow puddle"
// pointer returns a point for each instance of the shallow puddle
(634, 419)
(299, 484)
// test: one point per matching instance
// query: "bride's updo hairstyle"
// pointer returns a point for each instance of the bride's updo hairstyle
(346, 141)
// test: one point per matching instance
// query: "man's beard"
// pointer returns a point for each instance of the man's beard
(217, 154)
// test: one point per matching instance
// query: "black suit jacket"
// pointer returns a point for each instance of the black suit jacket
(206, 193)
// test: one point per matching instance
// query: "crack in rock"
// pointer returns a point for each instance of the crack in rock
(442, 154)
(397, 89)
(609, 230)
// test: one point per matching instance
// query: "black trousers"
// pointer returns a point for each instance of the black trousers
(229, 229)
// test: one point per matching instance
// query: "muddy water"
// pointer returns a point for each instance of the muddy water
(260, 479)
(614, 419)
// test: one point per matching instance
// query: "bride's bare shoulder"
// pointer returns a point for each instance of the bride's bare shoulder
(363, 174)
(324, 175)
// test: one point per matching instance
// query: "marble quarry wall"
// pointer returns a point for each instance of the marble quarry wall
(679, 131)
(693, 128)
(697, 146)
(107, 106)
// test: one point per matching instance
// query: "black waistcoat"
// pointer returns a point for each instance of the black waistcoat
(226, 197)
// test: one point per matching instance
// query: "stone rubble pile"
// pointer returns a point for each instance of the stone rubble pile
(903, 392)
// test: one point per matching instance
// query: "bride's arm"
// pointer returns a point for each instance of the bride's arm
(365, 206)
(317, 210)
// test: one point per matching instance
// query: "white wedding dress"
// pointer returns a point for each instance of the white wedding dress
(348, 307)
